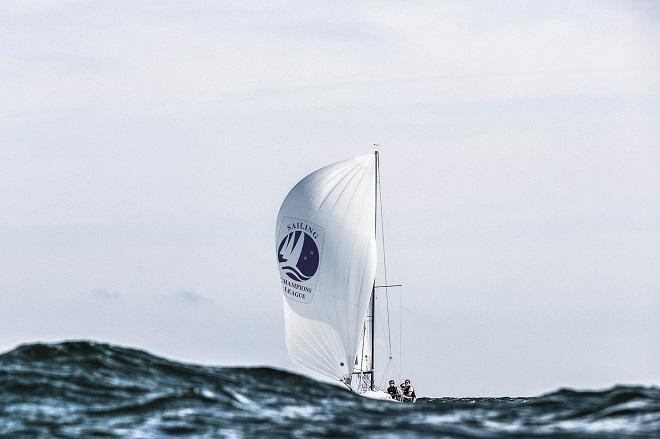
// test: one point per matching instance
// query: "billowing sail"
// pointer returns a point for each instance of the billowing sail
(326, 251)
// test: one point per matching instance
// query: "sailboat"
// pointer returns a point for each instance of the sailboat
(327, 254)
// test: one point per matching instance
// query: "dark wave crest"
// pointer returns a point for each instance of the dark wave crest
(87, 389)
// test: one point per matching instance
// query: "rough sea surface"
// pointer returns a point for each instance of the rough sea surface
(89, 390)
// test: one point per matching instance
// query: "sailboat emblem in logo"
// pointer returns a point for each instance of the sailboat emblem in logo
(299, 249)
(298, 256)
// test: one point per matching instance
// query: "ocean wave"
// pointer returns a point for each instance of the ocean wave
(88, 389)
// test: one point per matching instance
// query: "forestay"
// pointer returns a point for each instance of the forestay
(327, 258)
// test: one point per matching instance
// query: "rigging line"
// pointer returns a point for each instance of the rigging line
(395, 368)
(387, 370)
(373, 289)
(401, 329)
(387, 296)
(391, 366)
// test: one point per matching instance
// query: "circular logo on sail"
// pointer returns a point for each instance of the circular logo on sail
(298, 256)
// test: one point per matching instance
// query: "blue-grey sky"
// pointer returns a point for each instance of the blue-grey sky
(145, 148)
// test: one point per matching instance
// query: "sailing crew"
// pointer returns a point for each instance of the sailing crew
(394, 391)
(407, 391)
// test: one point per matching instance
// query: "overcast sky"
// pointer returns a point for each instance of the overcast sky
(145, 148)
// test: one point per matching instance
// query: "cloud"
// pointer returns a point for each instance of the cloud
(187, 296)
(103, 294)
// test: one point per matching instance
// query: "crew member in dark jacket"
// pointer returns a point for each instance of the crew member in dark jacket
(393, 391)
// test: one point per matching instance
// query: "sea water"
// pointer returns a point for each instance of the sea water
(95, 390)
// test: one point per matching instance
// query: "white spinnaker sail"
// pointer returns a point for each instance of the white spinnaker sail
(327, 257)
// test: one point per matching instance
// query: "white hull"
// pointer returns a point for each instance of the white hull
(377, 394)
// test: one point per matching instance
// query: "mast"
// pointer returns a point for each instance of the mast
(373, 288)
